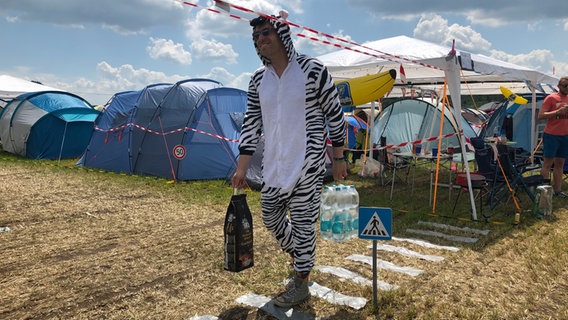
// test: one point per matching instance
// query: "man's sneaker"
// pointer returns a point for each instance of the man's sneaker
(560, 194)
(296, 292)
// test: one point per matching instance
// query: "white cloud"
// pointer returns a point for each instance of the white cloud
(168, 50)
(207, 24)
(432, 28)
(111, 80)
(241, 81)
(467, 38)
(318, 47)
(536, 59)
(435, 29)
(560, 68)
(488, 13)
(219, 74)
(213, 50)
(12, 19)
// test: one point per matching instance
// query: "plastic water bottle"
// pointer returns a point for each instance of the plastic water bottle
(338, 226)
(339, 218)
(341, 197)
(326, 212)
(354, 211)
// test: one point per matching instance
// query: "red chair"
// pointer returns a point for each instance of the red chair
(478, 182)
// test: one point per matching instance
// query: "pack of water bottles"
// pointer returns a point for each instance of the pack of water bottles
(339, 213)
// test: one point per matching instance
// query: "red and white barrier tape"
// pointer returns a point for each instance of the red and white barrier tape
(382, 55)
(415, 142)
(164, 133)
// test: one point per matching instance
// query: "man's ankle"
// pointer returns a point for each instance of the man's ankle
(304, 275)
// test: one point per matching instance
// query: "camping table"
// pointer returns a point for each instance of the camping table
(414, 159)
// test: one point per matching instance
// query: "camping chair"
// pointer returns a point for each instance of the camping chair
(478, 183)
(391, 167)
(514, 175)
(488, 168)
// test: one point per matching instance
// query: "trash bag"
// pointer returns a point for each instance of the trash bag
(238, 232)
(371, 168)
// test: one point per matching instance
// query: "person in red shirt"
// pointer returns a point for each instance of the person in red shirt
(555, 137)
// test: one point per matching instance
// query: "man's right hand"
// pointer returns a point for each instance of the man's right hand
(238, 181)
(239, 178)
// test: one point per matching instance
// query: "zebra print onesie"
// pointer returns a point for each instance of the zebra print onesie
(292, 112)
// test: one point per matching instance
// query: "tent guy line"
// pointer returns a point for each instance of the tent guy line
(383, 55)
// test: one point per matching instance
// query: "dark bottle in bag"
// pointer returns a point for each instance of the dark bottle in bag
(239, 253)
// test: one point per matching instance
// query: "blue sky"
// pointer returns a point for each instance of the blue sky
(98, 48)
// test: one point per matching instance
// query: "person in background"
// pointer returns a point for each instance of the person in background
(292, 100)
(555, 137)
(362, 139)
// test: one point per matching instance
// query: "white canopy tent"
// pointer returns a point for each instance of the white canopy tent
(11, 87)
(428, 64)
(423, 63)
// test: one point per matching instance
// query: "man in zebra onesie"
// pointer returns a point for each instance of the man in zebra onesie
(290, 100)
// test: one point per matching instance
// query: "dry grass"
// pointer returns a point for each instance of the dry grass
(93, 245)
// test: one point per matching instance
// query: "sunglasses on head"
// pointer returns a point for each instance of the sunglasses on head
(564, 85)
(265, 32)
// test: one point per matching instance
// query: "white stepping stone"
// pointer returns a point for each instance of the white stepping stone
(426, 244)
(408, 253)
(454, 228)
(267, 304)
(382, 264)
(335, 297)
(352, 276)
(443, 235)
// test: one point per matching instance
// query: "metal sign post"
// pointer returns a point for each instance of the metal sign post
(375, 224)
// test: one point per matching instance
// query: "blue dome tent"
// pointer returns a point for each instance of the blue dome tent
(514, 121)
(47, 125)
(183, 131)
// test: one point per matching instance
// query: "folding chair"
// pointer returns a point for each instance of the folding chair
(488, 168)
(390, 164)
(511, 176)
(478, 183)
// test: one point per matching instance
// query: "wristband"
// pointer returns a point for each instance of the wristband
(339, 159)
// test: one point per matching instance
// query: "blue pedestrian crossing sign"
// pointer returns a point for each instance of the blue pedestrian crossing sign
(375, 223)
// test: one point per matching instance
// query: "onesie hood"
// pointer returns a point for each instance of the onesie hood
(282, 30)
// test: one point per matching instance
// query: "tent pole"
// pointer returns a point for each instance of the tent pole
(533, 122)
(453, 76)
(370, 127)
(62, 143)
(445, 103)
